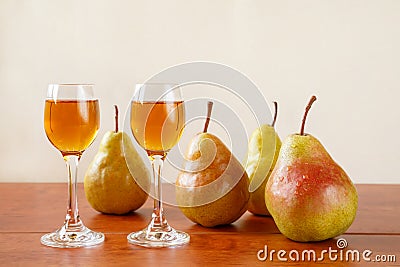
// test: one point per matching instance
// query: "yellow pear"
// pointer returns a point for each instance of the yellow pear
(213, 188)
(263, 151)
(117, 179)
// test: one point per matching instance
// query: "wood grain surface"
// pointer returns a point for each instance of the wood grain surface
(27, 211)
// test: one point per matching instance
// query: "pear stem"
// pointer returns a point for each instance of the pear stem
(209, 109)
(275, 114)
(116, 118)
(312, 100)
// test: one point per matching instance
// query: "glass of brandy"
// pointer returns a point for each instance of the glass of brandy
(157, 121)
(71, 122)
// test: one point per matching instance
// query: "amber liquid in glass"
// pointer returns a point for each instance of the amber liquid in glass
(157, 126)
(71, 125)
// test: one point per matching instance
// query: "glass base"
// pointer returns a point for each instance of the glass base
(62, 238)
(158, 238)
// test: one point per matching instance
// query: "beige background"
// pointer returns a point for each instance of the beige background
(347, 52)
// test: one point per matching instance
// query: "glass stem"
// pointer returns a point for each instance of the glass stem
(158, 218)
(72, 219)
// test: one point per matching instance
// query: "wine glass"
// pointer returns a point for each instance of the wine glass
(71, 122)
(157, 121)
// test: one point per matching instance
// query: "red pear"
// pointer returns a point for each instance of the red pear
(310, 197)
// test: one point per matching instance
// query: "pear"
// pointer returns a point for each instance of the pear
(263, 151)
(308, 194)
(117, 179)
(213, 188)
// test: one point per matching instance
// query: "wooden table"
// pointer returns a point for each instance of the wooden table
(27, 211)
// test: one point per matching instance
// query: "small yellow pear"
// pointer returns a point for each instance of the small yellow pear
(117, 179)
(263, 151)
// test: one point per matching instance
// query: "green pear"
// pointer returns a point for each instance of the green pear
(263, 151)
(117, 179)
(308, 194)
(213, 188)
